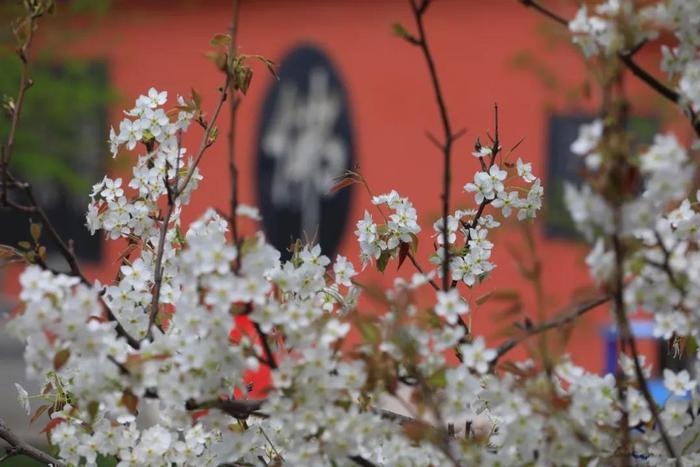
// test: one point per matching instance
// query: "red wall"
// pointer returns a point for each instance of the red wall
(161, 44)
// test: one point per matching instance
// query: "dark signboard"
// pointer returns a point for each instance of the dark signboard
(304, 142)
(565, 166)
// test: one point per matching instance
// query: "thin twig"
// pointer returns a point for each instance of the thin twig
(233, 111)
(19, 447)
(25, 83)
(173, 194)
(206, 141)
(237, 408)
(446, 146)
(67, 253)
(644, 75)
(567, 316)
(550, 14)
(158, 275)
(361, 461)
(269, 356)
(432, 283)
(625, 335)
(666, 266)
(244, 408)
(627, 339)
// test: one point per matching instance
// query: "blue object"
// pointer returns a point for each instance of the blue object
(641, 329)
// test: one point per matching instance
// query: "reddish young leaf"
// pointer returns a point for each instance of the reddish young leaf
(197, 414)
(416, 430)
(130, 401)
(38, 413)
(346, 182)
(53, 423)
(60, 359)
(403, 252)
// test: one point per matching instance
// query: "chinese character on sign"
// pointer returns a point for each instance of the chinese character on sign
(304, 145)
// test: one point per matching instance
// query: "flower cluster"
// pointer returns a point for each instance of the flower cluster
(681, 62)
(381, 242)
(600, 32)
(470, 256)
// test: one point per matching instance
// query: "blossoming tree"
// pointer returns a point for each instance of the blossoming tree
(162, 334)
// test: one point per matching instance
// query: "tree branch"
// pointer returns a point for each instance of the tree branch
(244, 408)
(626, 338)
(158, 274)
(548, 13)
(233, 111)
(35, 208)
(206, 141)
(237, 408)
(269, 356)
(173, 195)
(567, 316)
(24, 84)
(446, 146)
(18, 447)
(666, 266)
(361, 461)
(642, 74)
(432, 283)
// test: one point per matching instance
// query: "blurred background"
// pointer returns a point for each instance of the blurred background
(350, 94)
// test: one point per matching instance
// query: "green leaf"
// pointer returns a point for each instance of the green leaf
(218, 58)
(196, 98)
(213, 134)
(242, 77)
(438, 379)
(370, 332)
(383, 260)
(93, 407)
(400, 31)
(220, 40)
(414, 243)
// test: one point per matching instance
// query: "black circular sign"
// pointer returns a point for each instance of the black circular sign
(304, 144)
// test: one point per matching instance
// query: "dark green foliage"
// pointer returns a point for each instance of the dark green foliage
(63, 119)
